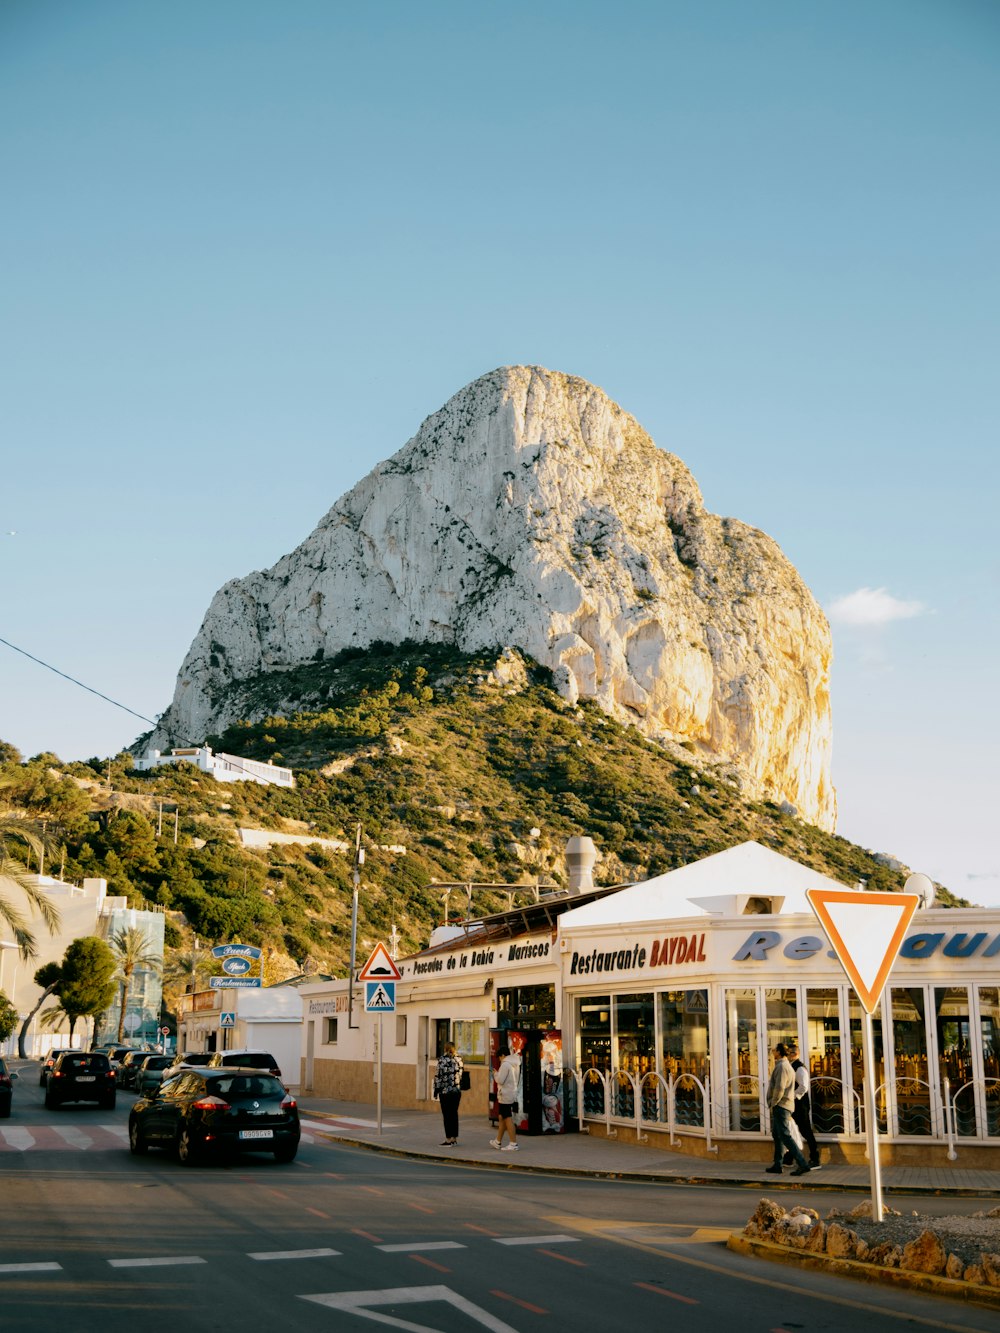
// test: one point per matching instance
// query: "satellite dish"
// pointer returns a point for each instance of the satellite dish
(923, 887)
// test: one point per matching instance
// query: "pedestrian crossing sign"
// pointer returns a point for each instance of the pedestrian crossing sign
(380, 997)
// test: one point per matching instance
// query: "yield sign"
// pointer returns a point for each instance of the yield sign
(380, 966)
(866, 931)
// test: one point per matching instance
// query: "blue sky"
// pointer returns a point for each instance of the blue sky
(248, 247)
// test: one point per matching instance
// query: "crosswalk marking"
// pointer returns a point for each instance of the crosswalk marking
(296, 1254)
(412, 1248)
(536, 1240)
(84, 1137)
(31, 1268)
(162, 1261)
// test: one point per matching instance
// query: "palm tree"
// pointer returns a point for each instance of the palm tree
(15, 828)
(134, 952)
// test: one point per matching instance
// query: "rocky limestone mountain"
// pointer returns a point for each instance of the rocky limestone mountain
(533, 511)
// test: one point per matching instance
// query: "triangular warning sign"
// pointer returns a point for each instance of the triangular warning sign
(866, 931)
(380, 966)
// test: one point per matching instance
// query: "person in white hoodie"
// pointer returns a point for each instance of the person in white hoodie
(508, 1082)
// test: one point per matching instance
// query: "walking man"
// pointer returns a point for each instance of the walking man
(781, 1102)
(803, 1109)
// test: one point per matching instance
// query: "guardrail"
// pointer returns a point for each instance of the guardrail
(647, 1100)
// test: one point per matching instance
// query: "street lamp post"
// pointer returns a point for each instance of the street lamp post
(359, 860)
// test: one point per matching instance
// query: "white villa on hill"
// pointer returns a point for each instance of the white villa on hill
(223, 767)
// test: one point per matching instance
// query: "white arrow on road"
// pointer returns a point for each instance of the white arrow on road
(360, 1303)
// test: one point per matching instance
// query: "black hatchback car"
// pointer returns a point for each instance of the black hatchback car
(214, 1111)
(81, 1076)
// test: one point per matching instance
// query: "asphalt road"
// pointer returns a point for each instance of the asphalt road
(94, 1239)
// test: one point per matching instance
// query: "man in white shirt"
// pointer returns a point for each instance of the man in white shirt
(802, 1112)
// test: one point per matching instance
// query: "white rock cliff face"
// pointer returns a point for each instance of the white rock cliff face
(532, 511)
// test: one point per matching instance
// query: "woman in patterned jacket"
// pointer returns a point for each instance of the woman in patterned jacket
(448, 1090)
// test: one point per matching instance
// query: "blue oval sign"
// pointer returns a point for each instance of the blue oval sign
(236, 967)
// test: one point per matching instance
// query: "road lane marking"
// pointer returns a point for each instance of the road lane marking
(554, 1254)
(316, 1213)
(516, 1300)
(421, 1245)
(421, 1208)
(429, 1263)
(536, 1240)
(31, 1268)
(486, 1231)
(295, 1254)
(164, 1261)
(366, 1235)
(358, 1302)
(665, 1291)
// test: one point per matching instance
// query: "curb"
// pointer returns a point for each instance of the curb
(637, 1177)
(951, 1288)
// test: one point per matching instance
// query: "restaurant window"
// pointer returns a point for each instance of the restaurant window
(469, 1036)
(401, 1029)
(635, 1048)
(824, 1057)
(331, 1032)
(442, 1036)
(684, 1050)
(743, 1094)
(593, 1037)
(954, 1042)
(989, 1028)
(909, 1060)
(857, 1089)
(526, 1007)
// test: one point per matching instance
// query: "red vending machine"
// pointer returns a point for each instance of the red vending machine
(541, 1099)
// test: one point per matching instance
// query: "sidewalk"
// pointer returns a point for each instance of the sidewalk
(418, 1134)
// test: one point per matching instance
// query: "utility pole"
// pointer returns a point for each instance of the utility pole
(359, 860)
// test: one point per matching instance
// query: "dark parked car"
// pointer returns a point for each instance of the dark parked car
(203, 1111)
(245, 1059)
(149, 1074)
(129, 1067)
(6, 1090)
(48, 1063)
(81, 1076)
(189, 1060)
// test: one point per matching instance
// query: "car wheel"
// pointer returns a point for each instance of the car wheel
(50, 1100)
(187, 1149)
(286, 1154)
(108, 1104)
(5, 1112)
(136, 1142)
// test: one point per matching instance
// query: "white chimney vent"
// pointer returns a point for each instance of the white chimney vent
(581, 855)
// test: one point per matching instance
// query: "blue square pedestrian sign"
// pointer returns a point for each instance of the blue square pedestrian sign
(380, 997)
(227, 1019)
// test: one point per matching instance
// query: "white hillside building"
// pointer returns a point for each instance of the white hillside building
(223, 767)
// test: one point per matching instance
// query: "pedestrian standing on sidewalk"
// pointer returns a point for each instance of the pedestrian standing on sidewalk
(448, 1090)
(781, 1103)
(508, 1082)
(803, 1111)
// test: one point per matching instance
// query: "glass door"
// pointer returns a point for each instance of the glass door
(745, 1060)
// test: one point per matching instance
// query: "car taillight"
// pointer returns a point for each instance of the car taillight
(288, 1104)
(5, 1081)
(58, 1073)
(210, 1104)
(111, 1073)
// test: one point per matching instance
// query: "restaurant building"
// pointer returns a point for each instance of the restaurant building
(662, 1001)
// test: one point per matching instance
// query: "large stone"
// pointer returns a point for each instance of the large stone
(990, 1264)
(954, 1268)
(531, 511)
(841, 1242)
(926, 1254)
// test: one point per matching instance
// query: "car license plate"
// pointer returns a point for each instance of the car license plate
(87, 1078)
(256, 1133)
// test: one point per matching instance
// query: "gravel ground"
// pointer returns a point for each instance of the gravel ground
(967, 1237)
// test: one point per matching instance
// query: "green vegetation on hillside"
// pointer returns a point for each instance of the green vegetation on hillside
(430, 751)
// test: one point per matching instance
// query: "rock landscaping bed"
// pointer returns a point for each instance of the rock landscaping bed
(963, 1250)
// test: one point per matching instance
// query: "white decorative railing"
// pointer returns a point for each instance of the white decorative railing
(608, 1092)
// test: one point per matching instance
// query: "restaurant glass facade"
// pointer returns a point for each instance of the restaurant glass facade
(937, 1056)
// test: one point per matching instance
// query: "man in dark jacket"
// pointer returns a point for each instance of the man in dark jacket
(802, 1113)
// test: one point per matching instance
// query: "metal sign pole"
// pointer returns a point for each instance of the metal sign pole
(871, 1123)
(379, 1093)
